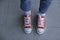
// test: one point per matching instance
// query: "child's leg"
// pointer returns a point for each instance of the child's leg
(44, 4)
(26, 7)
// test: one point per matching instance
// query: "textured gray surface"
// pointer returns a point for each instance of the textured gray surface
(11, 21)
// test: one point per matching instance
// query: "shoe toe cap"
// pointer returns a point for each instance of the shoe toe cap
(27, 30)
(40, 31)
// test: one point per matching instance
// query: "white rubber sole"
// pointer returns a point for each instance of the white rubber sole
(40, 30)
(27, 30)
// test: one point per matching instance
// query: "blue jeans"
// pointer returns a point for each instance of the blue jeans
(44, 4)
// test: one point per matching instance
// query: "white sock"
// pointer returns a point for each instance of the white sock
(41, 14)
(27, 13)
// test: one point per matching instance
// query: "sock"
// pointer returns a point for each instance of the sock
(28, 13)
(40, 14)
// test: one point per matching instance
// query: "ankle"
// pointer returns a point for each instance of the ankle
(40, 14)
(27, 13)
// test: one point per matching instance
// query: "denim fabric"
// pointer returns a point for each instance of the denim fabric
(44, 4)
(26, 5)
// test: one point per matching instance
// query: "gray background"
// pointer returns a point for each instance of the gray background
(11, 21)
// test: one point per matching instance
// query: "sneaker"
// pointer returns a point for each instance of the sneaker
(41, 25)
(27, 24)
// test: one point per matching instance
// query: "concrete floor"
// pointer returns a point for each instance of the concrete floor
(11, 21)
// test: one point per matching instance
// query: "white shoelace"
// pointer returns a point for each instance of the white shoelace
(27, 21)
(41, 21)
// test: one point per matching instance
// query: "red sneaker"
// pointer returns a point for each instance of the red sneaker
(27, 24)
(41, 24)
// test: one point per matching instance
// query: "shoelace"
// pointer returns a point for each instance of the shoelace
(41, 22)
(27, 21)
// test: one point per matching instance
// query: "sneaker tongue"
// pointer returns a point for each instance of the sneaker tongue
(41, 17)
